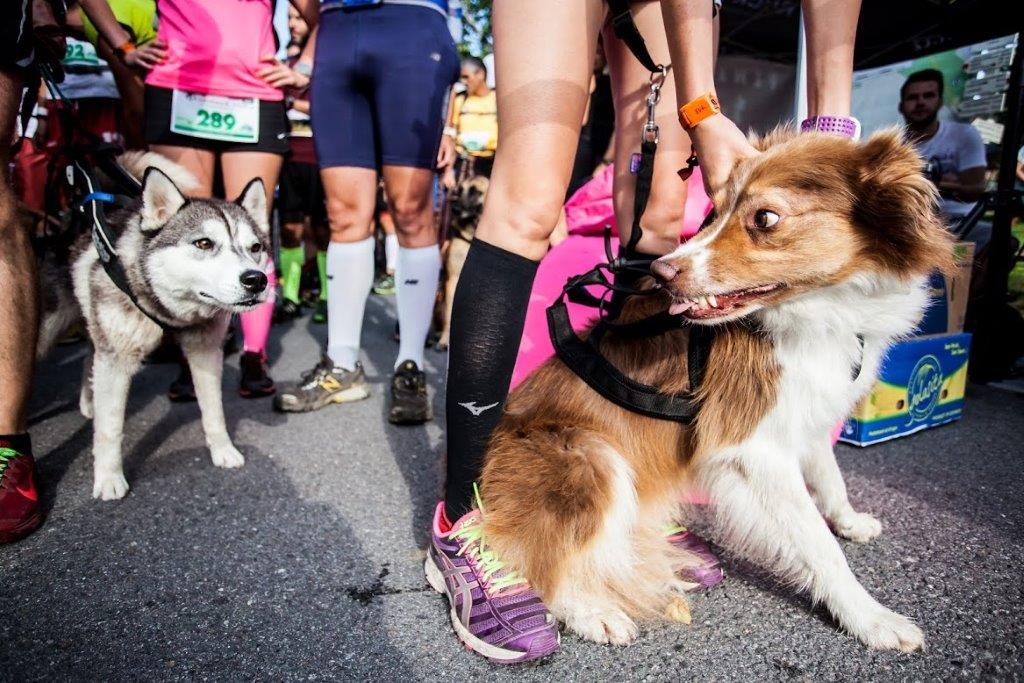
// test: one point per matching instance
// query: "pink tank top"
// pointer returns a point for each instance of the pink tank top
(214, 47)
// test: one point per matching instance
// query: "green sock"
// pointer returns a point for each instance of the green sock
(321, 267)
(291, 272)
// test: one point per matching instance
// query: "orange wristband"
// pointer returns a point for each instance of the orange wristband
(695, 111)
(125, 48)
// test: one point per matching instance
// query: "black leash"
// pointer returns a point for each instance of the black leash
(584, 357)
(103, 239)
(91, 204)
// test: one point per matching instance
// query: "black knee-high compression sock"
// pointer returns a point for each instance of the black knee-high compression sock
(488, 314)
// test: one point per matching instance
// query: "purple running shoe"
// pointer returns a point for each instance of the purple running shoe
(495, 613)
(710, 572)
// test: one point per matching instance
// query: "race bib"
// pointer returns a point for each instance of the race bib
(214, 117)
(81, 53)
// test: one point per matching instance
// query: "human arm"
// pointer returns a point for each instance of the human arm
(118, 38)
(310, 11)
(718, 142)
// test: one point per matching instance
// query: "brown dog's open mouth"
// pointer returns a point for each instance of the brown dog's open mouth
(720, 305)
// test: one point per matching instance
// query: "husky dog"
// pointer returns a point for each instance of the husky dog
(190, 264)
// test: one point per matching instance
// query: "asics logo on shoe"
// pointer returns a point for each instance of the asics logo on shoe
(477, 410)
(462, 590)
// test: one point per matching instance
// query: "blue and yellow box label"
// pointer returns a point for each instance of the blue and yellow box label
(921, 384)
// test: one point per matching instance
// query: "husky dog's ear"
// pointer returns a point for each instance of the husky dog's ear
(161, 199)
(254, 200)
(900, 205)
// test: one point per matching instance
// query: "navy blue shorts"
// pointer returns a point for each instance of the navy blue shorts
(380, 86)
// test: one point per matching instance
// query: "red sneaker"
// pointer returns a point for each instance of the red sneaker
(19, 503)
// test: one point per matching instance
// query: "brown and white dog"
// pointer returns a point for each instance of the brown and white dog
(817, 261)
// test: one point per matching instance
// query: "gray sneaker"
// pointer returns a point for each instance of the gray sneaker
(322, 385)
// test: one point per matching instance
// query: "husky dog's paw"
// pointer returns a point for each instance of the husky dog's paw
(608, 626)
(111, 486)
(226, 456)
(887, 630)
(858, 527)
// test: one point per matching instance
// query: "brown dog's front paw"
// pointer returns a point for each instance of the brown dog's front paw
(607, 626)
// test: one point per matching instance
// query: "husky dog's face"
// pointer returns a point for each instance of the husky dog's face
(205, 252)
(811, 211)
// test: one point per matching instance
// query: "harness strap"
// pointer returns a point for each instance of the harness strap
(626, 31)
(644, 179)
(584, 359)
(92, 203)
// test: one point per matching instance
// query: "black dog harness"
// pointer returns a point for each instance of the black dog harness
(92, 206)
(584, 357)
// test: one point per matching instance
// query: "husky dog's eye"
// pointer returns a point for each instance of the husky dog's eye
(256, 248)
(203, 243)
(765, 219)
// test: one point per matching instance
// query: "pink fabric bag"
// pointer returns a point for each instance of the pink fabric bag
(586, 212)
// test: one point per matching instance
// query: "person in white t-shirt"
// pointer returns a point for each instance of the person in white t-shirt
(954, 153)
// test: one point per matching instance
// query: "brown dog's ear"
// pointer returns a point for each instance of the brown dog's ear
(898, 207)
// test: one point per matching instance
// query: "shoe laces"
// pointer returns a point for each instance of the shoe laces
(6, 456)
(495, 576)
(318, 372)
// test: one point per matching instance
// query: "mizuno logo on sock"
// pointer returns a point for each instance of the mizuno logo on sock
(477, 410)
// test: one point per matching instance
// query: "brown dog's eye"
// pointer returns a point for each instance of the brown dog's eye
(765, 219)
(204, 244)
(256, 248)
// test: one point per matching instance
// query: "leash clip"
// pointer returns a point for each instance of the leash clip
(657, 80)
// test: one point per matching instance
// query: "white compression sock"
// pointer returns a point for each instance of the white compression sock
(349, 278)
(390, 252)
(417, 271)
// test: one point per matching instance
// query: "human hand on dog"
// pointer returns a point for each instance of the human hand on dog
(720, 145)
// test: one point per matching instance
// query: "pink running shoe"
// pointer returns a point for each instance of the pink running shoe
(494, 612)
(710, 572)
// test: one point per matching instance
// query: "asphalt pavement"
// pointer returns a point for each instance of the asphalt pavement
(306, 564)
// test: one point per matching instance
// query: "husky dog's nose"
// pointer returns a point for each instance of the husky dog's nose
(254, 281)
(664, 270)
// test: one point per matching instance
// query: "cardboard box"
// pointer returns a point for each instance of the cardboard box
(921, 384)
(948, 306)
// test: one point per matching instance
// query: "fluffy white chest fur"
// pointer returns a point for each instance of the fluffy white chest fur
(824, 340)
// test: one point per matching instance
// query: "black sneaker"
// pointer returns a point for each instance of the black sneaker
(410, 404)
(288, 310)
(255, 382)
(321, 386)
